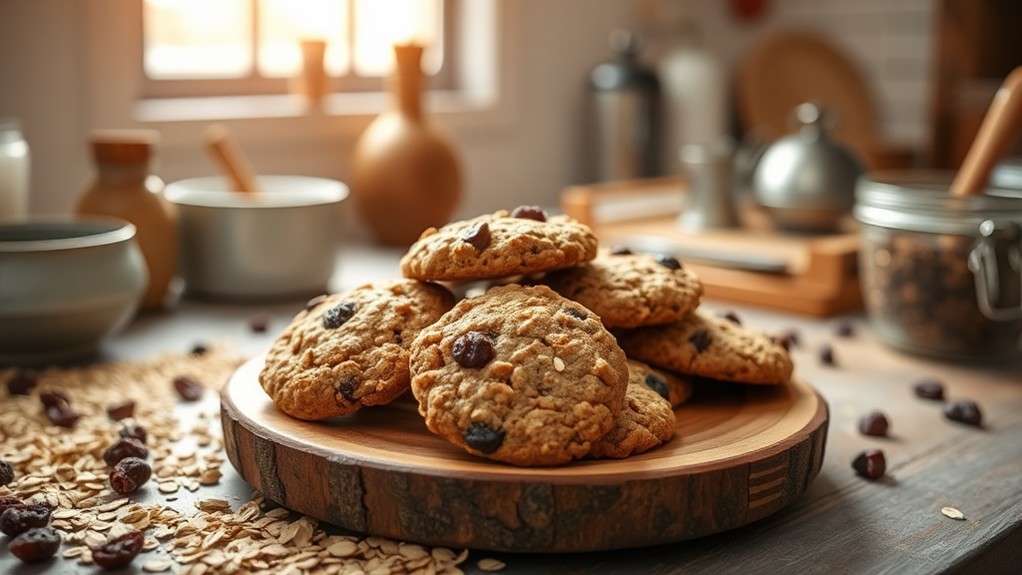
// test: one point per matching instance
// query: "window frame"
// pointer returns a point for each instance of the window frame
(446, 78)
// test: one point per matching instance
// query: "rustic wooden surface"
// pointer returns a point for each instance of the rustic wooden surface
(841, 524)
(740, 454)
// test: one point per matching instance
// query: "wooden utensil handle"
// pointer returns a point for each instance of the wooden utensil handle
(229, 157)
(1000, 127)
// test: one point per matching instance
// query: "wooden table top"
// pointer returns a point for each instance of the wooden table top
(842, 524)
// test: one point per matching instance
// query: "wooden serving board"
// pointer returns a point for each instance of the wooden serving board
(740, 453)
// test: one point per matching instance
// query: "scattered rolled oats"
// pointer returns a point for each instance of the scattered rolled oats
(953, 513)
(489, 564)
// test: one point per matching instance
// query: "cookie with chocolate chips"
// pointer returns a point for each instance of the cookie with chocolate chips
(630, 290)
(646, 420)
(710, 346)
(519, 375)
(349, 350)
(673, 387)
(501, 244)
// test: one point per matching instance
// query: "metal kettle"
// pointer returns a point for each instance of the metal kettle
(806, 181)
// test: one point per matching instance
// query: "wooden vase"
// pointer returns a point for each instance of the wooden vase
(405, 176)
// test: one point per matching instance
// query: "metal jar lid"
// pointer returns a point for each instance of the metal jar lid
(919, 201)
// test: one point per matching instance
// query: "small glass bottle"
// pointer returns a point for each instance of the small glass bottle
(15, 162)
(125, 188)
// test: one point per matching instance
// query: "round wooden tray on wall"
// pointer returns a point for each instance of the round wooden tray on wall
(740, 453)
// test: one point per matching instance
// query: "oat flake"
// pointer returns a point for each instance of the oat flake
(953, 513)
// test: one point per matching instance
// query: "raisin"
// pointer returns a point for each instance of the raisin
(314, 302)
(787, 339)
(874, 423)
(844, 328)
(483, 438)
(576, 313)
(827, 355)
(473, 349)
(125, 447)
(135, 431)
(121, 411)
(701, 339)
(259, 323)
(347, 387)
(657, 384)
(479, 236)
(18, 519)
(621, 251)
(9, 501)
(129, 474)
(669, 262)
(529, 213)
(22, 383)
(6, 472)
(870, 464)
(200, 349)
(63, 415)
(965, 411)
(119, 551)
(336, 316)
(929, 389)
(54, 397)
(36, 544)
(732, 317)
(188, 388)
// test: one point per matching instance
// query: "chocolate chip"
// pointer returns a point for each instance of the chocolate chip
(54, 396)
(338, 315)
(314, 302)
(200, 349)
(473, 349)
(669, 262)
(347, 387)
(22, 383)
(965, 411)
(63, 415)
(576, 313)
(483, 438)
(873, 423)
(701, 339)
(870, 464)
(121, 411)
(929, 388)
(657, 384)
(788, 339)
(529, 213)
(732, 317)
(188, 388)
(621, 251)
(479, 236)
(827, 355)
(6, 472)
(134, 431)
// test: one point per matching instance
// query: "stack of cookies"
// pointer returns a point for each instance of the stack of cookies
(578, 352)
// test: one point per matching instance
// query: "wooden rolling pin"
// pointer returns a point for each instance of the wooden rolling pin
(228, 156)
(1001, 125)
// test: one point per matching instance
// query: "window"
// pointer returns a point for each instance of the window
(231, 47)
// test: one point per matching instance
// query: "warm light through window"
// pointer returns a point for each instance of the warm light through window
(204, 39)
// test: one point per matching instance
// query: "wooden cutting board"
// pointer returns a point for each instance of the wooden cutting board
(740, 453)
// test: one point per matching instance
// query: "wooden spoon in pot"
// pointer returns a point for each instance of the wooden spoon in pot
(1000, 127)
(228, 156)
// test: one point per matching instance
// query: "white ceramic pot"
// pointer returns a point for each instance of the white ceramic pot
(66, 284)
(277, 243)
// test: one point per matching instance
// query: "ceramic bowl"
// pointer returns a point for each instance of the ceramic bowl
(66, 285)
(279, 242)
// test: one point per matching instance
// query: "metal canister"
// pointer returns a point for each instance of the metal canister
(626, 102)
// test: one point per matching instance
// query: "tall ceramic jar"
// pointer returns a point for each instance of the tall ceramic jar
(124, 187)
(405, 175)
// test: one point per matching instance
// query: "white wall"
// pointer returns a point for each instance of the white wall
(54, 75)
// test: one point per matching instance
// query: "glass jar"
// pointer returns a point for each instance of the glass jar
(941, 275)
(15, 162)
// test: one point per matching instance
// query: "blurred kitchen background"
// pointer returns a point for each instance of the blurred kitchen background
(514, 93)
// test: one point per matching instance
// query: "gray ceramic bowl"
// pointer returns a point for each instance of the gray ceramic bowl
(280, 242)
(66, 284)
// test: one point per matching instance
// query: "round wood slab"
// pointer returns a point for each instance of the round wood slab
(739, 454)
